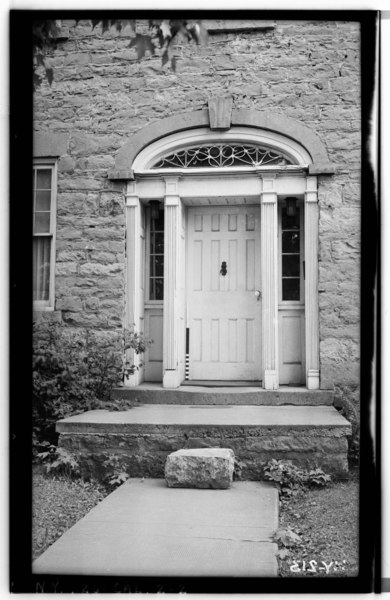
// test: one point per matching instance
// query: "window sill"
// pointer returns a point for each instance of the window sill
(42, 308)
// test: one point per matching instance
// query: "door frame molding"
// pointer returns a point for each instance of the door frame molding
(258, 187)
(180, 187)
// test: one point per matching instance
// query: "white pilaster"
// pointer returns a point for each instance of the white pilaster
(269, 278)
(311, 285)
(172, 376)
(133, 279)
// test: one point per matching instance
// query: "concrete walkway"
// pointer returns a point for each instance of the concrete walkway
(145, 528)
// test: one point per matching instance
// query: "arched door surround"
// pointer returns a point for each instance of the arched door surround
(260, 160)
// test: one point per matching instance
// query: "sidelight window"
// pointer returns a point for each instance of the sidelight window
(291, 255)
(156, 256)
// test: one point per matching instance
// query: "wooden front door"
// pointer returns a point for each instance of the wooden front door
(223, 275)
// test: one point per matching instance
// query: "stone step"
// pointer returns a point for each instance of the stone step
(149, 393)
(143, 436)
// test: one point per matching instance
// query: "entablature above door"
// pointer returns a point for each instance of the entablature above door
(226, 189)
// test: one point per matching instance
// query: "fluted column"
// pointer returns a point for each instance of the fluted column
(311, 285)
(133, 281)
(269, 285)
(172, 225)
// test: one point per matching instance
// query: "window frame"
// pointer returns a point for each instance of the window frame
(301, 302)
(147, 301)
(40, 164)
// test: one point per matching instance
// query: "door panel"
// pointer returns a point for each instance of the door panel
(291, 346)
(224, 315)
(154, 353)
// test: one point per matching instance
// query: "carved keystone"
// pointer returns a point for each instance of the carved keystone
(200, 468)
(220, 112)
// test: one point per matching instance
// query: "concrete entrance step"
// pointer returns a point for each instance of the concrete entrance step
(218, 384)
(145, 528)
(144, 435)
(154, 393)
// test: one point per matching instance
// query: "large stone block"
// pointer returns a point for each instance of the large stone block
(200, 468)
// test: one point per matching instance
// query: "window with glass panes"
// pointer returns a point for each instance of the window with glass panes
(43, 234)
(156, 264)
(291, 256)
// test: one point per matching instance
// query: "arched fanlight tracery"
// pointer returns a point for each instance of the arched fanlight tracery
(222, 155)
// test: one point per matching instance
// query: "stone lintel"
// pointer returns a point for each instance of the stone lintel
(46, 145)
(220, 111)
(125, 174)
(322, 169)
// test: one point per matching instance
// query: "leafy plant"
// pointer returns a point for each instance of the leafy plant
(160, 36)
(237, 469)
(317, 477)
(75, 371)
(285, 536)
(116, 473)
(290, 479)
(283, 553)
(136, 342)
(44, 37)
(119, 404)
(58, 460)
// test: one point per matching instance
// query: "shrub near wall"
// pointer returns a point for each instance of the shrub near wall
(73, 371)
(101, 94)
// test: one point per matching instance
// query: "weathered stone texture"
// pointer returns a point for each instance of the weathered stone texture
(144, 454)
(101, 94)
(200, 468)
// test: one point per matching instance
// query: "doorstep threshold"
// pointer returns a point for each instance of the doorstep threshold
(220, 384)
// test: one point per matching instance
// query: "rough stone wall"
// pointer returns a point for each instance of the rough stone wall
(144, 454)
(101, 94)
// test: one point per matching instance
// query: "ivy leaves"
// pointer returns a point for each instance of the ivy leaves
(286, 538)
(44, 38)
(161, 36)
(119, 24)
(290, 479)
(143, 44)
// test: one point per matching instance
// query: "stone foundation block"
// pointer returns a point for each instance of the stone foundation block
(200, 468)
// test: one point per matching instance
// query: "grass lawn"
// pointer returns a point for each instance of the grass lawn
(327, 522)
(58, 503)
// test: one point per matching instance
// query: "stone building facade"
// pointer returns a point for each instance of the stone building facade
(103, 130)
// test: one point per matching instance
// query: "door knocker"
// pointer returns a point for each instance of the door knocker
(223, 270)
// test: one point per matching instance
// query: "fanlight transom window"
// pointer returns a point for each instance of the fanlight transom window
(222, 155)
